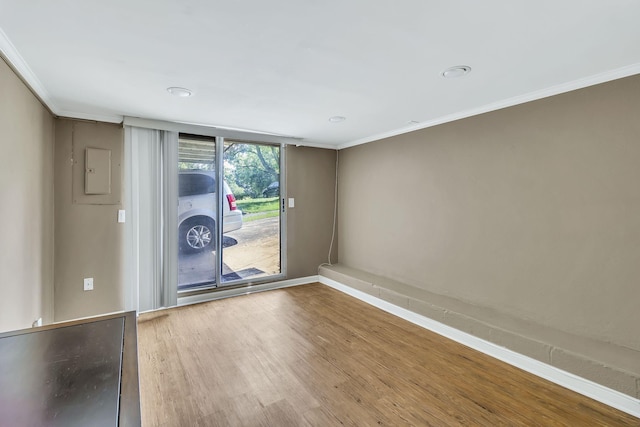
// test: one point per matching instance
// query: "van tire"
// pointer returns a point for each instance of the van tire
(197, 234)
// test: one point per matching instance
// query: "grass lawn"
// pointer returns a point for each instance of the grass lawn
(261, 208)
(252, 206)
(262, 215)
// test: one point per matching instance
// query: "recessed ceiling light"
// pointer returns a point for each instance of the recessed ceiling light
(179, 91)
(337, 119)
(457, 71)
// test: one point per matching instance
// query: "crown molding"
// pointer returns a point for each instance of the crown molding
(90, 116)
(607, 76)
(17, 62)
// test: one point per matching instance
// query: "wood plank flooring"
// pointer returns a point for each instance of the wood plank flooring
(312, 356)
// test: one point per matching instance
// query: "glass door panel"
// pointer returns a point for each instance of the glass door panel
(197, 219)
(251, 219)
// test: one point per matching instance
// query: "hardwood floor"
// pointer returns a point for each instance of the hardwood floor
(312, 356)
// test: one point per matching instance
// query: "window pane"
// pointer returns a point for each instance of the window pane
(251, 221)
(196, 213)
(194, 183)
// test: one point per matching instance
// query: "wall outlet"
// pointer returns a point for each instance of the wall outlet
(88, 283)
(121, 215)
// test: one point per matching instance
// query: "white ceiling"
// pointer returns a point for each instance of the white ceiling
(286, 66)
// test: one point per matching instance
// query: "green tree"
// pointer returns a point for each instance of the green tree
(250, 168)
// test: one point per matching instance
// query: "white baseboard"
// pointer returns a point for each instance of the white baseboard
(245, 290)
(565, 379)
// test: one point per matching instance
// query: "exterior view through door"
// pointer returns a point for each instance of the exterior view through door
(247, 205)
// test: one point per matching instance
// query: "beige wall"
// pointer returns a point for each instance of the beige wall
(89, 240)
(26, 210)
(531, 213)
(311, 182)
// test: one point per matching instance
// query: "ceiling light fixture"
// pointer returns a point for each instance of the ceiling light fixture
(457, 71)
(179, 91)
(337, 119)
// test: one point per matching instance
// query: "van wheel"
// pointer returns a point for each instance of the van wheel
(197, 234)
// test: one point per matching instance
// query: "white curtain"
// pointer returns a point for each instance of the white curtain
(151, 188)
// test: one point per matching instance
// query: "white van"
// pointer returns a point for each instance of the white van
(197, 210)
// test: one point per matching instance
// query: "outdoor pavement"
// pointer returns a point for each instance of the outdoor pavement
(250, 252)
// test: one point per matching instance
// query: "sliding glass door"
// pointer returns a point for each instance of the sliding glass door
(229, 212)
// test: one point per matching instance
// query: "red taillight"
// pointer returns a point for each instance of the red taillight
(232, 202)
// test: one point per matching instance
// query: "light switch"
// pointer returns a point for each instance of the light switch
(121, 216)
(88, 283)
(292, 202)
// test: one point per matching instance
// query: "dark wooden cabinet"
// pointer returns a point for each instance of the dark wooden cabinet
(76, 373)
